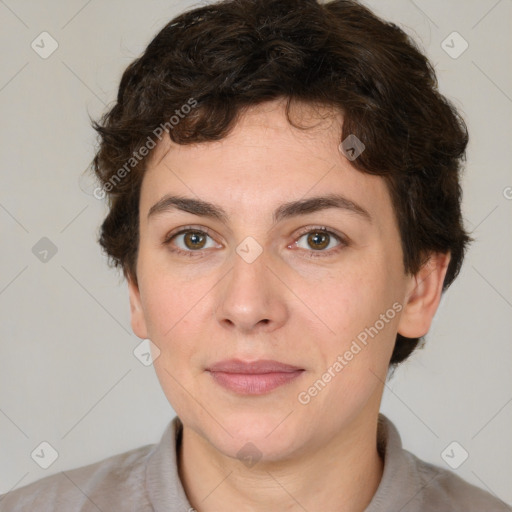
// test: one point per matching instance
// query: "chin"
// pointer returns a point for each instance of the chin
(261, 435)
(257, 449)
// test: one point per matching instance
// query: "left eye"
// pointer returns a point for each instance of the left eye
(318, 240)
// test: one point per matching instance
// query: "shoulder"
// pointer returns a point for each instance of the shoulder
(119, 479)
(442, 489)
(410, 484)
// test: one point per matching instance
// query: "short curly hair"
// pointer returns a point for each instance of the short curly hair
(234, 54)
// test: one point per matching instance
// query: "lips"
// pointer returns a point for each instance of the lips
(254, 367)
(253, 378)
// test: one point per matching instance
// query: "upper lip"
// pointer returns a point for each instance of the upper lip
(251, 367)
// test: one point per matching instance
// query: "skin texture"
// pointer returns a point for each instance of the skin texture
(286, 306)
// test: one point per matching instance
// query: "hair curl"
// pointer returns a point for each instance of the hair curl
(238, 53)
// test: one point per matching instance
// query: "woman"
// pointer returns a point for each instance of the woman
(283, 183)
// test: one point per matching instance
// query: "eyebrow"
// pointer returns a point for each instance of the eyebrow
(284, 211)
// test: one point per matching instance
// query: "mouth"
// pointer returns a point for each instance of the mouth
(253, 378)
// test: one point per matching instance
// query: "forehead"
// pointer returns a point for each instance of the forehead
(262, 162)
(267, 125)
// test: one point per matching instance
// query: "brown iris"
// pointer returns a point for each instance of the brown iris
(318, 240)
(194, 239)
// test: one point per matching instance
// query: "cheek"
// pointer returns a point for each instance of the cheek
(352, 361)
(176, 320)
(169, 294)
(178, 312)
(173, 311)
(357, 306)
(350, 299)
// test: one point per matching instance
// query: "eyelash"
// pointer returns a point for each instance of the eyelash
(309, 254)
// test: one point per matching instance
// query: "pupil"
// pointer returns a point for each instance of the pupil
(193, 239)
(316, 239)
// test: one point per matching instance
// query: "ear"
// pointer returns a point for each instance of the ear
(137, 314)
(423, 296)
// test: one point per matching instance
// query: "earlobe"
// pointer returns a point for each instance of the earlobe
(138, 320)
(423, 297)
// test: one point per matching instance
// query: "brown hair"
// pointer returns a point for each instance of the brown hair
(238, 53)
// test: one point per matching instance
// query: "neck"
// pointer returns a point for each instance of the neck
(342, 474)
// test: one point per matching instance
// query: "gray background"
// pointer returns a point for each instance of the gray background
(68, 374)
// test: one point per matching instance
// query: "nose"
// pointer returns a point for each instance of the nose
(252, 298)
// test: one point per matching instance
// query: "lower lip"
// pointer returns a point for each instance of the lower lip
(254, 384)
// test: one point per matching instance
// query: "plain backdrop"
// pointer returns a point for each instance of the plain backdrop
(68, 374)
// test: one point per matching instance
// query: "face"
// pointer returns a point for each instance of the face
(252, 277)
